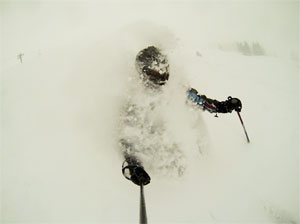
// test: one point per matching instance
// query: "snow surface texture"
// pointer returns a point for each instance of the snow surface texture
(66, 77)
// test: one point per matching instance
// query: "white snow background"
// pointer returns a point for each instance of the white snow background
(60, 161)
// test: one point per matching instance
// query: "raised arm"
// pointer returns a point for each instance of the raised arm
(214, 106)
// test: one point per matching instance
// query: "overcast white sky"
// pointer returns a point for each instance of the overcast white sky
(43, 23)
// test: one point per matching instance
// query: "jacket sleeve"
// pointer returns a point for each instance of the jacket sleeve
(211, 105)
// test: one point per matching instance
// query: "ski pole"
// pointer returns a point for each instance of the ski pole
(143, 214)
(248, 140)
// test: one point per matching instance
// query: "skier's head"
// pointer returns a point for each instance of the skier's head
(152, 66)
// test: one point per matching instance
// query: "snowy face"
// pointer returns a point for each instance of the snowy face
(152, 66)
(155, 76)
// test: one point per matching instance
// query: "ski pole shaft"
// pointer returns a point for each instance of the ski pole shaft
(143, 214)
(248, 140)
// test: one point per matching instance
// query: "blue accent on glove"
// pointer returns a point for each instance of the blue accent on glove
(195, 98)
(202, 102)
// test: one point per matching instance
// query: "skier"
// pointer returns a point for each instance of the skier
(153, 69)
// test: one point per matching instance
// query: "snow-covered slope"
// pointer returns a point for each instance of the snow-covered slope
(60, 160)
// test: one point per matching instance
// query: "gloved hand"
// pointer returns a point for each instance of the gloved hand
(233, 104)
(134, 171)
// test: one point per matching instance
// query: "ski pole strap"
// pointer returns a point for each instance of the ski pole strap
(143, 214)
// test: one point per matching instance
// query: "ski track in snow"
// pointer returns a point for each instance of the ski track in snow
(61, 112)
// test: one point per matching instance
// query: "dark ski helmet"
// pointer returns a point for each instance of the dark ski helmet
(152, 66)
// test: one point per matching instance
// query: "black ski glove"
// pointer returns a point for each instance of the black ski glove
(134, 171)
(213, 106)
(231, 104)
